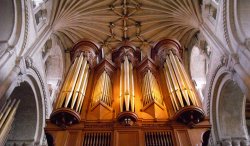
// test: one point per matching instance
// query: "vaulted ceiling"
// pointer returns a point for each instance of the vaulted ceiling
(111, 22)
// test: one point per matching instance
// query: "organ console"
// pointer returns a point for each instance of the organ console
(127, 100)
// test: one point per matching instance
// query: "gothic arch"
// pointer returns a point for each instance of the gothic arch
(227, 108)
(31, 111)
(54, 67)
(198, 67)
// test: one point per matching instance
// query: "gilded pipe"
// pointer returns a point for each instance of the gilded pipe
(121, 87)
(170, 89)
(176, 86)
(62, 94)
(132, 88)
(73, 81)
(179, 78)
(82, 88)
(79, 82)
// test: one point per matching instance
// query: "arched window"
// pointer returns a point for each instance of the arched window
(199, 64)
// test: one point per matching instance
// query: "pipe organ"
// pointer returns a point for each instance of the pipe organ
(179, 86)
(150, 90)
(127, 99)
(127, 91)
(103, 90)
(7, 116)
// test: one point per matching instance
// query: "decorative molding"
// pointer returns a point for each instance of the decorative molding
(89, 49)
(225, 27)
(29, 64)
(26, 28)
(223, 62)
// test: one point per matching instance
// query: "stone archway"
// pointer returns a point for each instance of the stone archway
(228, 112)
(27, 127)
(25, 123)
(231, 111)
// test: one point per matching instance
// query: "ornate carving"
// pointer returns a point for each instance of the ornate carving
(146, 64)
(104, 65)
(226, 34)
(127, 118)
(89, 49)
(26, 29)
(190, 115)
(128, 50)
(29, 64)
(64, 117)
(163, 47)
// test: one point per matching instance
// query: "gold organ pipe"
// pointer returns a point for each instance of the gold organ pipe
(5, 107)
(126, 76)
(126, 81)
(188, 89)
(147, 88)
(8, 121)
(173, 93)
(67, 82)
(170, 89)
(73, 81)
(132, 88)
(189, 84)
(7, 113)
(101, 87)
(109, 91)
(79, 82)
(153, 87)
(143, 90)
(179, 78)
(176, 86)
(103, 91)
(150, 87)
(63, 92)
(82, 88)
(157, 90)
(106, 92)
(84, 91)
(121, 87)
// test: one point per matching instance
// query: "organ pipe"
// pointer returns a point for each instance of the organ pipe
(103, 90)
(6, 118)
(74, 87)
(127, 86)
(150, 89)
(179, 85)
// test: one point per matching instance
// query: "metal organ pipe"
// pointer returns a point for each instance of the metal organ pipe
(150, 89)
(127, 86)
(6, 118)
(179, 85)
(74, 87)
(103, 90)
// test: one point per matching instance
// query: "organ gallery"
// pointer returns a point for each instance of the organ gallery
(128, 99)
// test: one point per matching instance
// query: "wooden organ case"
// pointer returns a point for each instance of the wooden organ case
(127, 101)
